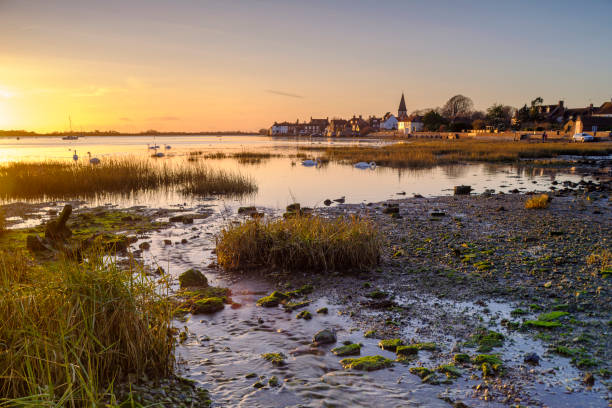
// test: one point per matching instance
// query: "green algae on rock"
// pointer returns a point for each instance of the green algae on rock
(347, 350)
(192, 278)
(304, 314)
(277, 359)
(366, 363)
(207, 305)
(485, 339)
(449, 370)
(391, 344)
(273, 299)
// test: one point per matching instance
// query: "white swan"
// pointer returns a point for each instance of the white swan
(311, 163)
(75, 156)
(93, 160)
(364, 165)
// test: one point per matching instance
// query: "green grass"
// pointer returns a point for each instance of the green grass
(428, 153)
(71, 330)
(300, 243)
(54, 179)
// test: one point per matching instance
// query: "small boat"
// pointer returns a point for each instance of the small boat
(70, 136)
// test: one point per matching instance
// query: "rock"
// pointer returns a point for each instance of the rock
(532, 358)
(247, 210)
(462, 190)
(325, 336)
(391, 209)
(208, 305)
(437, 213)
(589, 379)
(35, 243)
(327, 202)
(500, 208)
(185, 219)
(56, 230)
(191, 278)
(144, 246)
(167, 242)
(295, 207)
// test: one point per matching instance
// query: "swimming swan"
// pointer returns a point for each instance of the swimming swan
(364, 165)
(311, 163)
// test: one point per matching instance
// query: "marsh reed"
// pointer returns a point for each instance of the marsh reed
(428, 153)
(55, 179)
(300, 243)
(70, 330)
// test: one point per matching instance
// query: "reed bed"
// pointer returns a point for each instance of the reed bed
(123, 175)
(426, 153)
(300, 243)
(70, 330)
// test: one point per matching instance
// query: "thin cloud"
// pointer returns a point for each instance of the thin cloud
(281, 93)
(125, 119)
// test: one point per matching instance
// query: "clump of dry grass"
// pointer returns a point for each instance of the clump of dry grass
(538, 202)
(55, 179)
(69, 330)
(2, 222)
(603, 259)
(309, 243)
(429, 153)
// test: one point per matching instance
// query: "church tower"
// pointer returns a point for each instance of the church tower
(401, 111)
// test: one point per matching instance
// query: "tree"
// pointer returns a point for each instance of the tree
(534, 111)
(478, 124)
(457, 106)
(499, 115)
(432, 121)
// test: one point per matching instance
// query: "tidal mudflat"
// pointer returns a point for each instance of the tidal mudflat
(473, 300)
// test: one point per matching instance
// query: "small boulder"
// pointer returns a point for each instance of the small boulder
(35, 243)
(462, 190)
(327, 202)
(325, 336)
(589, 379)
(532, 358)
(208, 305)
(191, 278)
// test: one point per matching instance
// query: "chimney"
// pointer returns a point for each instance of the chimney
(561, 103)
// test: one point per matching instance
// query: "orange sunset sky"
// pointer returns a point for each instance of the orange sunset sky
(240, 65)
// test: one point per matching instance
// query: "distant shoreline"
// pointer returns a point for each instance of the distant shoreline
(11, 134)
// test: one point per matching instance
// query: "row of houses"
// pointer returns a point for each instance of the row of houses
(575, 120)
(355, 126)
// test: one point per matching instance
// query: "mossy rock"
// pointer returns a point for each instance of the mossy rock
(485, 339)
(461, 358)
(490, 364)
(377, 294)
(277, 359)
(422, 372)
(391, 344)
(405, 351)
(192, 278)
(323, 310)
(367, 363)
(273, 299)
(273, 381)
(347, 350)
(291, 306)
(302, 291)
(552, 316)
(304, 314)
(449, 370)
(564, 351)
(207, 305)
(370, 334)
(540, 324)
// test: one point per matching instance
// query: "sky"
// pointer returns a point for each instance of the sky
(200, 65)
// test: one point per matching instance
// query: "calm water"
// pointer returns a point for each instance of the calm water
(282, 180)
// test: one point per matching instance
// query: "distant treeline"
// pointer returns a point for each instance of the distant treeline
(18, 133)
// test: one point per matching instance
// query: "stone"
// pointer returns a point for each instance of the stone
(324, 336)
(144, 246)
(192, 278)
(327, 202)
(462, 190)
(589, 379)
(532, 358)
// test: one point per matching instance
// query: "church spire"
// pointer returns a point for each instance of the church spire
(401, 111)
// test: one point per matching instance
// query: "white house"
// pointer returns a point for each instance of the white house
(410, 124)
(280, 128)
(389, 122)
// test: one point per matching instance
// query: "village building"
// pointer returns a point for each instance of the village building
(338, 127)
(359, 126)
(389, 122)
(410, 124)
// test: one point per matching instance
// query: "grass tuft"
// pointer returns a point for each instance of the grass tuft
(308, 243)
(88, 325)
(538, 202)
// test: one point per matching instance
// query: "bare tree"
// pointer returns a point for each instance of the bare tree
(457, 106)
